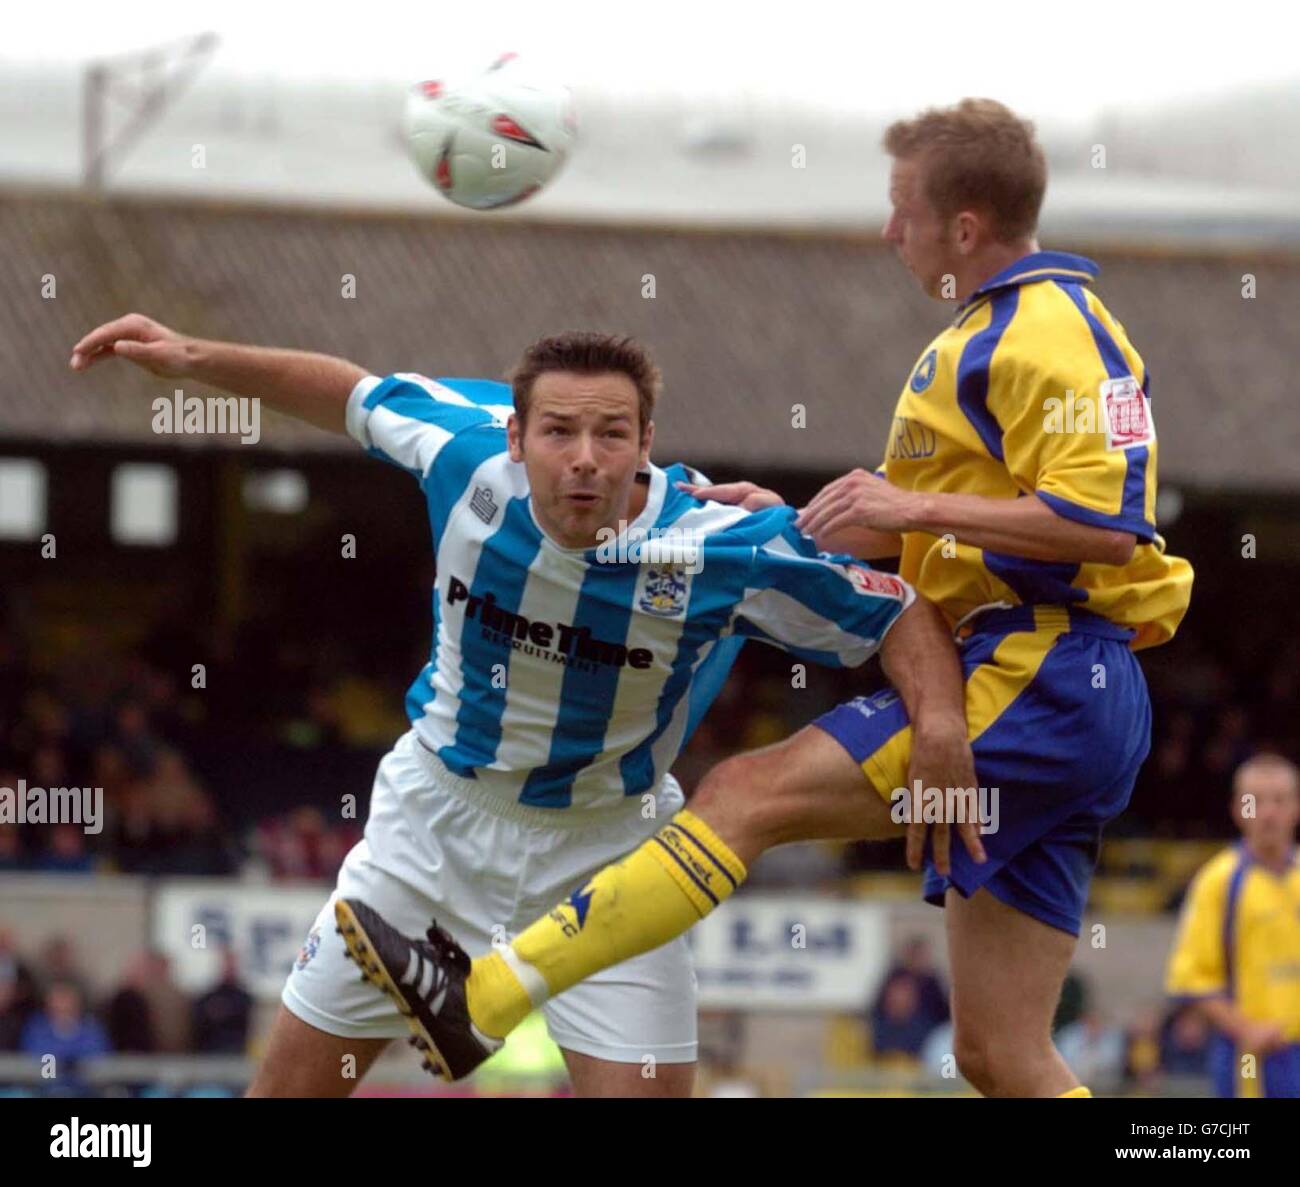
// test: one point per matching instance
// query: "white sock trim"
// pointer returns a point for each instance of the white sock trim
(533, 982)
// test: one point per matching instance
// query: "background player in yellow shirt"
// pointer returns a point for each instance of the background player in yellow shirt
(1237, 954)
(1019, 488)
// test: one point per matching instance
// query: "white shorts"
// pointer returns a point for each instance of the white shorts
(484, 866)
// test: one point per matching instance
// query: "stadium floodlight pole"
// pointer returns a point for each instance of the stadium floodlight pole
(145, 81)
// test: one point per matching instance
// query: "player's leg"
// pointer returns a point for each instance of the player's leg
(631, 1030)
(409, 874)
(804, 788)
(593, 1077)
(1059, 759)
(301, 1061)
(1007, 970)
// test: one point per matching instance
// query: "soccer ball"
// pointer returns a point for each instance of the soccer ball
(493, 140)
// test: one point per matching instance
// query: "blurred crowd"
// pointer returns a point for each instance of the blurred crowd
(909, 1025)
(903, 1042)
(129, 731)
(132, 725)
(48, 1008)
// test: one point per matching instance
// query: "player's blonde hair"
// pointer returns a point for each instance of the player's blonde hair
(978, 155)
(587, 353)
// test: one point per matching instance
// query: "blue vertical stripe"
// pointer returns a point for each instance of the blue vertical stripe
(586, 695)
(973, 371)
(676, 502)
(710, 676)
(422, 691)
(1235, 886)
(451, 473)
(715, 592)
(502, 570)
(1134, 501)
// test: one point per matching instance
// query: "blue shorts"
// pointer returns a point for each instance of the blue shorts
(1277, 1075)
(1059, 721)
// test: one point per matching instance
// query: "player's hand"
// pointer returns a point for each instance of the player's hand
(746, 495)
(1259, 1038)
(941, 758)
(139, 339)
(859, 499)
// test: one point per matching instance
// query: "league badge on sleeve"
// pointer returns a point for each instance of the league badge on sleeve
(1128, 417)
(870, 581)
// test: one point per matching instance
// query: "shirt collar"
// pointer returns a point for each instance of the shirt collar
(1038, 265)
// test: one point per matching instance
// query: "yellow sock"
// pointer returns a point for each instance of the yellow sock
(650, 897)
(1080, 1091)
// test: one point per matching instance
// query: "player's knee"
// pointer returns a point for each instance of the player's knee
(735, 796)
(999, 1065)
(972, 1055)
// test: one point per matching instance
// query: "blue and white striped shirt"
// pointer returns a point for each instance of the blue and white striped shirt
(577, 675)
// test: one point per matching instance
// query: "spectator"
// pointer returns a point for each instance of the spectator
(127, 1014)
(11, 844)
(17, 993)
(303, 844)
(223, 1014)
(67, 852)
(1142, 1048)
(1093, 1049)
(1074, 1001)
(899, 1024)
(64, 1029)
(169, 1008)
(1185, 1043)
(134, 736)
(58, 962)
(915, 963)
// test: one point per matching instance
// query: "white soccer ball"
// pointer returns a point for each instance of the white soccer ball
(492, 140)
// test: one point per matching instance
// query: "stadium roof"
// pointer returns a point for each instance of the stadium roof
(1182, 175)
(743, 324)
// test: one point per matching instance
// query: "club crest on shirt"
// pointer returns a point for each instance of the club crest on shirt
(1128, 419)
(665, 590)
(923, 376)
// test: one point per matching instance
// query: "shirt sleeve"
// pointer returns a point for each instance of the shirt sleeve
(827, 609)
(408, 419)
(1076, 425)
(1198, 963)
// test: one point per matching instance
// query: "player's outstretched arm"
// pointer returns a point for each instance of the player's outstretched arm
(921, 662)
(865, 543)
(312, 387)
(1023, 527)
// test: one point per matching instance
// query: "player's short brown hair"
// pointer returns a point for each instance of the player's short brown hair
(586, 353)
(978, 155)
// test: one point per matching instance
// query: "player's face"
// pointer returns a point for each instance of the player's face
(1274, 800)
(581, 447)
(916, 230)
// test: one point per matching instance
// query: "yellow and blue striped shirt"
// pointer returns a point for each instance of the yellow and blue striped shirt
(1239, 938)
(1035, 389)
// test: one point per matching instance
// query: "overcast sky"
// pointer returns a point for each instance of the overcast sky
(1052, 60)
